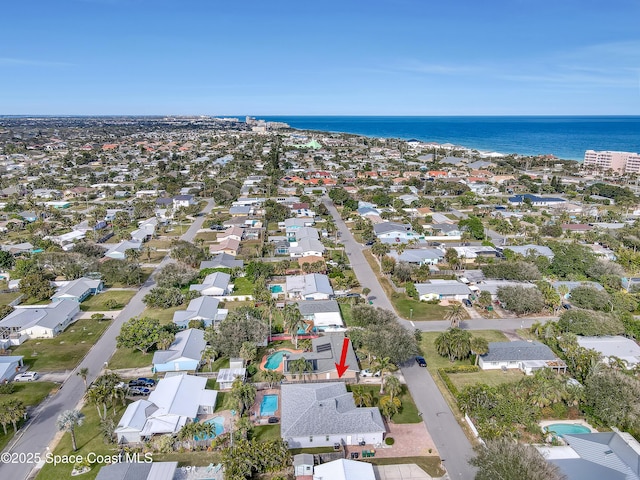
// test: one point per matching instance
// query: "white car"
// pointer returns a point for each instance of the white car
(369, 373)
(26, 377)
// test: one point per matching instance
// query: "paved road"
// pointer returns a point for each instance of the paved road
(448, 436)
(40, 430)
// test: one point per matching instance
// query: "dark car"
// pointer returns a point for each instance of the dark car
(135, 383)
(566, 306)
(466, 302)
(421, 361)
(369, 243)
(273, 420)
(146, 382)
(135, 391)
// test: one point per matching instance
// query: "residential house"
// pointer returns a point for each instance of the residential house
(569, 286)
(43, 321)
(9, 366)
(28, 216)
(185, 352)
(203, 309)
(535, 200)
(313, 286)
(118, 251)
(447, 229)
(443, 290)
(214, 284)
(77, 290)
(325, 414)
(229, 246)
(596, 456)
(138, 471)
(322, 314)
(344, 469)
(291, 225)
(423, 256)
(226, 376)
(527, 356)
(233, 232)
(306, 247)
(240, 210)
(18, 248)
(325, 354)
(611, 347)
(183, 201)
(222, 260)
(469, 253)
(176, 400)
(398, 232)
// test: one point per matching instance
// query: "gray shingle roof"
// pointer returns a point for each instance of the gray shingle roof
(311, 307)
(324, 409)
(188, 343)
(520, 350)
(325, 353)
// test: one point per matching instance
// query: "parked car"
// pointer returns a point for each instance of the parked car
(273, 420)
(26, 377)
(369, 373)
(566, 306)
(369, 243)
(135, 391)
(466, 302)
(421, 361)
(135, 383)
(147, 382)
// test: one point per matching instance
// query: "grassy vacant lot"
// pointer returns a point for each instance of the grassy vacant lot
(7, 298)
(89, 439)
(488, 377)
(265, 433)
(129, 358)
(97, 303)
(66, 350)
(30, 394)
(164, 315)
(206, 236)
(403, 304)
(409, 411)
(435, 361)
(242, 286)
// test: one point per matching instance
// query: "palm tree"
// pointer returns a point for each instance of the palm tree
(393, 386)
(83, 373)
(390, 406)
(366, 291)
(68, 421)
(165, 339)
(300, 366)
(209, 355)
(384, 365)
(293, 321)
(361, 396)
(454, 343)
(16, 411)
(99, 395)
(188, 432)
(243, 393)
(272, 376)
(479, 346)
(455, 314)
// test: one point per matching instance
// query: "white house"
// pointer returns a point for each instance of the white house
(323, 313)
(204, 309)
(78, 290)
(175, 401)
(183, 201)
(524, 355)
(184, 353)
(214, 284)
(344, 469)
(42, 321)
(613, 346)
(443, 290)
(118, 250)
(313, 286)
(323, 414)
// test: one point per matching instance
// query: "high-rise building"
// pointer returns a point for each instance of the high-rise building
(622, 162)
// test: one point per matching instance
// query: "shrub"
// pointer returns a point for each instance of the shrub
(7, 388)
(389, 441)
(113, 304)
(252, 370)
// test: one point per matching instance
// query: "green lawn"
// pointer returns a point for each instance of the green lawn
(30, 394)
(224, 401)
(130, 358)
(164, 315)
(7, 298)
(488, 377)
(98, 303)
(89, 439)
(265, 433)
(345, 311)
(66, 350)
(416, 310)
(207, 236)
(435, 361)
(242, 286)
(409, 411)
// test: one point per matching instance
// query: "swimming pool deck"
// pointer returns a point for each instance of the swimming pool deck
(254, 412)
(281, 366)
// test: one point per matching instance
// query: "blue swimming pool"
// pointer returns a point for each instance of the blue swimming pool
(567, 429)
(274, 360)
(276, 288)
(218, 425)
(269, 405)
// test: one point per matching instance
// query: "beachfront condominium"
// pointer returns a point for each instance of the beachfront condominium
(622, 162)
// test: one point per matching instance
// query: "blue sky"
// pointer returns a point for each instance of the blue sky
(344, 57)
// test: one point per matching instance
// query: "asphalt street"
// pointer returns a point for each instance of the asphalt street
(448, 436)
(36, 436)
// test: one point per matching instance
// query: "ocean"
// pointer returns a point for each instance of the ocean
(566, 137)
